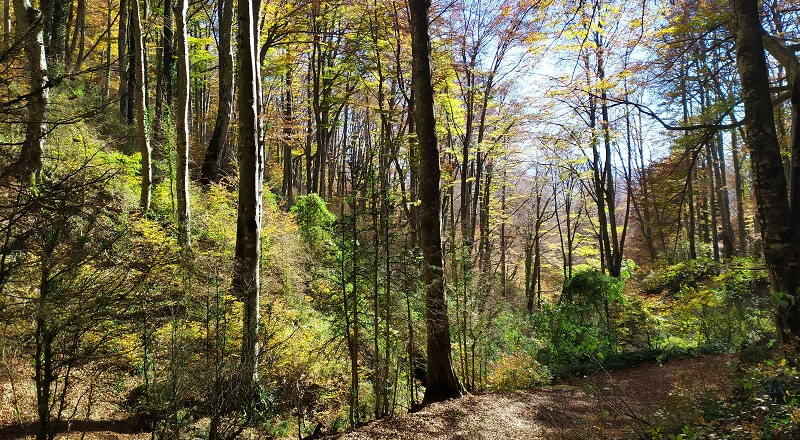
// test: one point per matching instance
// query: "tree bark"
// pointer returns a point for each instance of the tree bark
(442, 382)
(246, 277)
(164, 80)
(182, 126)
(769, 181)
(29, 29)
(737, 177)
(55, 30)
(721, 183)
(142, 135)
(216, 146)
(79, 35)
(6, 24)
(288, 120)
(122, 59)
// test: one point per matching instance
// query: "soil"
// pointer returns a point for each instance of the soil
(605, 405)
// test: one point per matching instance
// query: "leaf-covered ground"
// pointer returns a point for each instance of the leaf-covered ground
(612, 404)
(617, 404)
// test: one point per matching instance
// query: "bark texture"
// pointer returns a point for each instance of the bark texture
(246, 281)
(216, 146)
(142, 139)
(769, 181)
(441, 382)
(182, 125)
(29, 29)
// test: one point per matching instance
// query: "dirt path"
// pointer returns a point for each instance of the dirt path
(612, 405)
(600, 406)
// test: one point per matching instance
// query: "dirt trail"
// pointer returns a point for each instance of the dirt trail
(600, 406)
(603, 405)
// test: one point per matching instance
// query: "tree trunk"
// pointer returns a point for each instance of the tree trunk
(216, 146)
(721, 183)
(6, 24)
(737, 177)
(691, 227)
(142, 136)
(442, 383)
(55, 30)
(769, 181)
(164, 80)
(29, 28)
(122, 59)
(182, 125)
(79, 37)
(288, 120)
(712, 204)
(246, 281)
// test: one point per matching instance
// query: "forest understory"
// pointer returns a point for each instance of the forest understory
(613, 404)
(412, 219)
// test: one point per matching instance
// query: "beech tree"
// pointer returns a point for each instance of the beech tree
(246, 276)
(780, 235)
(216, 145)
(29, 31)
(182, 125)
(441, 382)
(142, 132)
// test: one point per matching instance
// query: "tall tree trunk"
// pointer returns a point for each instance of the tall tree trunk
(79, 36)
(528, 252)
(122, 59)
(442, 383)
(769, 181)
(164, 80)
(737, 177)
(107, 52)
(29, 29)
(246, 280)
(55, 30)
(613, 250)
(6, 24)
(721, 183)
(712, 204)
(142, 135)
(216, 145)
(43, 360)
(690, 228)
(182, 125)
(288, 120)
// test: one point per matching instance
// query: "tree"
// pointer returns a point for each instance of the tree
(769, 181)
(164, 80)
(441, 381)
(55, 29)
(182, 125)
(122, 59)
(29, 31)
(216, 146)
(246, 277)
(142, 135)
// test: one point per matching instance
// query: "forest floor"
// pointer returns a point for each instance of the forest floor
(603, 405)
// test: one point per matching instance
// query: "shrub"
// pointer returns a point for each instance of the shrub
(518, 371)
(314, 219)
(672, 279)
(580, 325)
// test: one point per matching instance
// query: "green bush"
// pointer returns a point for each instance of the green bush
(672, 279)
(580, 325)
(314, 219)
(518, 371)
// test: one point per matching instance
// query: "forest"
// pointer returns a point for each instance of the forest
(400, 219)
